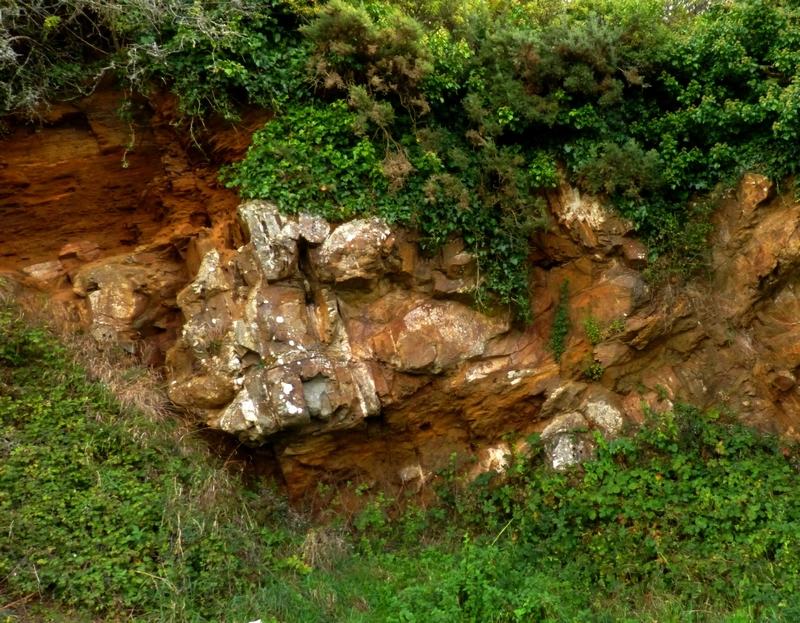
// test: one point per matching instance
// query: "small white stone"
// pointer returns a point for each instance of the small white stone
(279, 319)
(287, 388)
(291, 342)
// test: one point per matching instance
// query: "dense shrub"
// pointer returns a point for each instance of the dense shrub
(453, 115)
(694, 518)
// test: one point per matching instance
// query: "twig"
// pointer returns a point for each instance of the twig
(19, 601)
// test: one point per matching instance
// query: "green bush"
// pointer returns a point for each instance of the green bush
(694, 518)
(454, 115)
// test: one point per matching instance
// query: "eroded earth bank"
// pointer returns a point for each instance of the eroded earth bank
(343, 351)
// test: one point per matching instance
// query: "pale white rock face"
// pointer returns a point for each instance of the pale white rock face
(563, 424)
(272, 237)
(563, 446)
(243, 419)
(585, 208)
(415, 473)
(436, 336)
(567, 452)
(354, 250)
(605, 417)
(277, 341)
(45, 271)
(303, 340)
(493, 458)
(210, 279)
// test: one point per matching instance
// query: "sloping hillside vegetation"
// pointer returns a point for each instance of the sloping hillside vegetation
(108, 513)
(453, 116)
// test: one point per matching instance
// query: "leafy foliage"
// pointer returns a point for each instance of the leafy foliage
(453, 115)
(105, 510)
(695, 511)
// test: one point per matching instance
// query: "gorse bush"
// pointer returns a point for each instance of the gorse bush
(652, 105)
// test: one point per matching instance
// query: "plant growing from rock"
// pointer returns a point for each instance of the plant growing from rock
(560, 329)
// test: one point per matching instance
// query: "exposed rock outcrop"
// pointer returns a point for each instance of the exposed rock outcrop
(351, 354)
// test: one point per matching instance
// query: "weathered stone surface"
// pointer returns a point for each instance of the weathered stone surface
(352, 353)
(74, 255)
(435, 336)
(635, 253)
(84, 250)
(586, 220)
(354, 250)
(313, 229)
(203, 392)
(604, 416)
(612, 352)
(45, 272)
(784, 380)
(272, 238)
(565, 423)
(133, 297)
(753, 191)
(563, 447)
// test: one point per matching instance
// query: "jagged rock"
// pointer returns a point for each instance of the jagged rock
(352, 352)
(313, 229)
(133, 297)
(277, 340)
(74, 255)
(753, 191)
(203, 392)
(354, 250)
(273, 239)
(612, 353)
(435, 336)
(563, 447)
(784, 380)
(45, 272)
(635, 253)
(566, 398)
(604, 416)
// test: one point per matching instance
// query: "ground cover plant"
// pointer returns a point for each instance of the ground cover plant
(110, 515)
(454, 117)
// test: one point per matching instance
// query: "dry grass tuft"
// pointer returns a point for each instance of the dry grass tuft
(324, 546)
(137, 387)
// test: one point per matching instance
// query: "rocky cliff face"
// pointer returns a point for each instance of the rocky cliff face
(353, 355)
